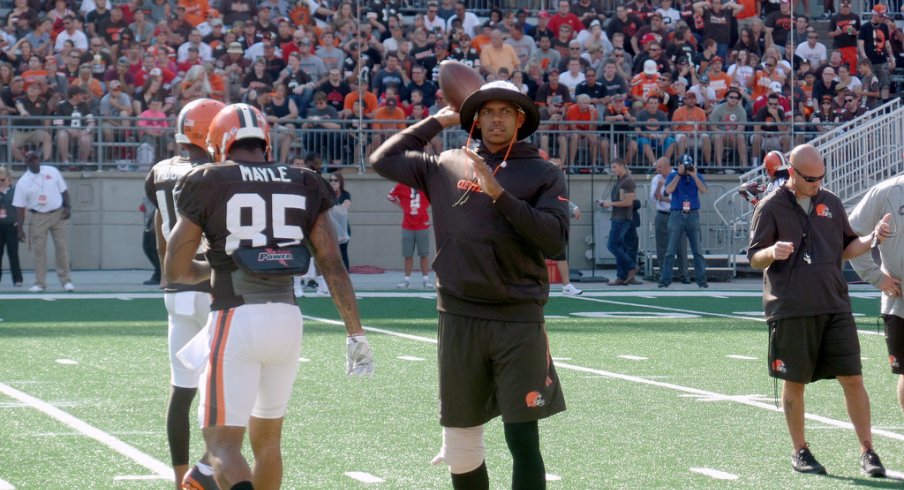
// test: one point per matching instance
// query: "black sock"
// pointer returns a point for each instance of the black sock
(523, 441)
(243, 485)
(476, 479)
(178, 425)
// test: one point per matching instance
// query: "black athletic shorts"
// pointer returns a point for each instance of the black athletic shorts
(894, 339)
(489, 368)
(806, 349)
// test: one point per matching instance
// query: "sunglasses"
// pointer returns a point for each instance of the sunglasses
(848, 100)
(807, 178)
(334, 180)
(733, 98)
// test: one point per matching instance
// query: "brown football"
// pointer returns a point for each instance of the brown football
(458, 81)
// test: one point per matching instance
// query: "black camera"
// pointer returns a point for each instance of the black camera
(688, 167)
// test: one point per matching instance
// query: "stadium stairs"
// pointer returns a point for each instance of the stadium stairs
(858, 155)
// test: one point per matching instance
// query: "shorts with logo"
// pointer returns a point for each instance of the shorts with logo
(412, 239)
(489, 368)
(187, 313)
(894, 339)
(807, 349)
(253, 362)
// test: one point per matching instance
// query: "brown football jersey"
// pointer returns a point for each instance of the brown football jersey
(250, 205)
(159, 186)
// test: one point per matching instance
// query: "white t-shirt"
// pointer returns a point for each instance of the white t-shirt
(41, 192)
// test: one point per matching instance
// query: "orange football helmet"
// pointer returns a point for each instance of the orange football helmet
(236, 122)
(194, 119)
(775, 162)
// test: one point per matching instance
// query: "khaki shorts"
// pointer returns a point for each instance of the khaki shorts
(33, 137)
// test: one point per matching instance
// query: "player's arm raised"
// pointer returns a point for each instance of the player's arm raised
(179, 263)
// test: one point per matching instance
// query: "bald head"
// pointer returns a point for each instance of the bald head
(808, 170)
(663, 166)
(807, 160)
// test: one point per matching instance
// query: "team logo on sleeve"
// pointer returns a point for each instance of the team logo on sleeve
(893, 361)
(534, 399)
(778, 366)
(823, 211)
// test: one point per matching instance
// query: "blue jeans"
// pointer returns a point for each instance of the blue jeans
(619, 247)
(690, 224)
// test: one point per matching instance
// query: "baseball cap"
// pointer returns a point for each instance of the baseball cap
(716, 59)
(235, 48)
(826, 97)
(595, 23)
(156, 72)
(680, 80)
(649, 67)
(775, 87)
(690, 94)
(553, 69)
(114, 84)
(704, 79)
(32, 156)
(544, 14)
(123, 60)
(648, 38)
(216, 21)
(880, 9)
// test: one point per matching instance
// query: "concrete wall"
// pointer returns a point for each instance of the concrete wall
(107, 226)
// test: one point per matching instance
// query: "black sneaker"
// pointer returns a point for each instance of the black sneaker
(803, 462)
(196, 480)
(870, 465)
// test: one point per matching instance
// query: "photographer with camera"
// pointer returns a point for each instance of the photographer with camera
(685, 187)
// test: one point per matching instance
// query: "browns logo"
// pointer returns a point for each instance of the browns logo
(534, 399)
(778, 366)
(823, 211)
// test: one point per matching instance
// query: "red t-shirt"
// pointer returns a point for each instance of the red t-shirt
(414, 207)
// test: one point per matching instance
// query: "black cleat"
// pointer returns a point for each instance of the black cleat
(195, 480)
(870, 465)
(803, 462)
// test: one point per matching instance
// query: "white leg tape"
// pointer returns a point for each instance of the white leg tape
(463, 450)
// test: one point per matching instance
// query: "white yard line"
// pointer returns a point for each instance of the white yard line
(363, 477)
(718, 475)
(751, 401)
(5, 485)
(157, 467)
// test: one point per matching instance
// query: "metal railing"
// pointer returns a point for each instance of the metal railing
(107, 143)
(858, 155)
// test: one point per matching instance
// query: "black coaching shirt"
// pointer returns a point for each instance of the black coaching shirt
(248, 205)
(810, 282)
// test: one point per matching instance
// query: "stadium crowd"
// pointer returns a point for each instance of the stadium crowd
(720, 80)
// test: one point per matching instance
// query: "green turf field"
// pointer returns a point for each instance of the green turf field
(663, 391)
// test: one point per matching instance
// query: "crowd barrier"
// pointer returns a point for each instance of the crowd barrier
(105, 144)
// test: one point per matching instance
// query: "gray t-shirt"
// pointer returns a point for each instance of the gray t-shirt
(624, 185)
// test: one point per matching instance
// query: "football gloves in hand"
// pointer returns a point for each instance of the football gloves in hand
(359, 359)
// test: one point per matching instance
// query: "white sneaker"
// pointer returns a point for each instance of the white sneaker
(323, 292)
(569, 290)
(402, 285)
(299, 291)
(428, 284)
(69, 287)
(36, 289)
